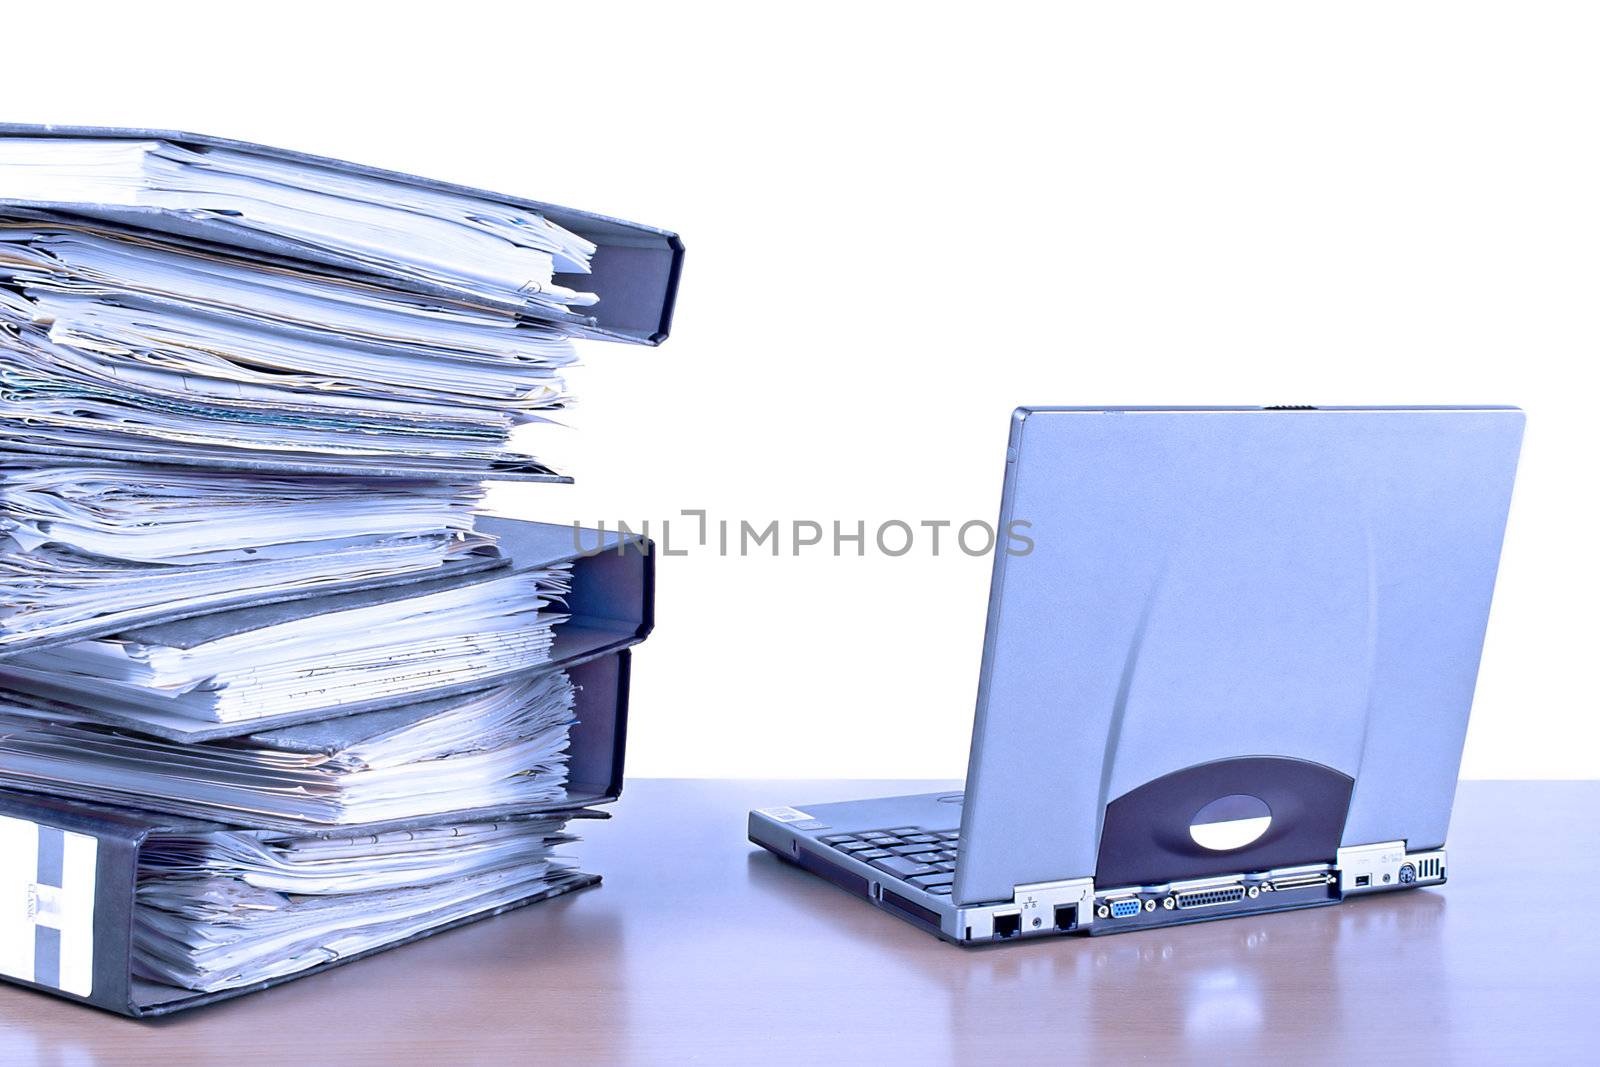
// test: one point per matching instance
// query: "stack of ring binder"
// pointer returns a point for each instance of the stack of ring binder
(273, 695)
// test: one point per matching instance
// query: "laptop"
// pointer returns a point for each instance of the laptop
(1231, 675)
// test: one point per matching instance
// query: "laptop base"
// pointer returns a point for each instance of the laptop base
(844, 844)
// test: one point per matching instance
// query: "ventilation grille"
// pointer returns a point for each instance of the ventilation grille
(1205, 898)
(1430, 867)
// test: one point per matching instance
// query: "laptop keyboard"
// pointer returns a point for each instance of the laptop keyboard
(924, 858)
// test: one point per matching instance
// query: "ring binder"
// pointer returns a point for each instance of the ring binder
(635, 268)
(119, 835)
(610, 607)
(594, 757)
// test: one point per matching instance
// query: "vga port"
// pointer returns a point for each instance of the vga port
(1206, 898)
(1121, 909)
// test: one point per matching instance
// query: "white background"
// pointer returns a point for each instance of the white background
(903, 221)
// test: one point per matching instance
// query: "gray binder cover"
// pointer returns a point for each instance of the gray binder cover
(92, 918)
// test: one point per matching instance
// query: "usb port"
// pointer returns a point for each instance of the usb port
(1363, 880)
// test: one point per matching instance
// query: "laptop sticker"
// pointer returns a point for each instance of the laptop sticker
(784, 814)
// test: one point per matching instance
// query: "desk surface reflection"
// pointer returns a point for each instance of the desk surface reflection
(701, 948)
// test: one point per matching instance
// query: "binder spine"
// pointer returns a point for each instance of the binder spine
(67, 926)
(597, 742)
(612, 602)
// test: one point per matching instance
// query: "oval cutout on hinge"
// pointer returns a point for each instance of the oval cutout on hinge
(1230, 822)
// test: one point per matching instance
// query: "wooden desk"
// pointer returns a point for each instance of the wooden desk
(701, 948)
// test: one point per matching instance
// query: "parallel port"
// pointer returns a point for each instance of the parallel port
(1206, 898)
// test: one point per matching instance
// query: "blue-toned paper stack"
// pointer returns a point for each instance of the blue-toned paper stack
(272, 694)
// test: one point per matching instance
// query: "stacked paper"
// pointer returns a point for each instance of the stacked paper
(118, 343)
(226, 909)
(502, 747)
(342, 655)
(247, 400)
(101, 548)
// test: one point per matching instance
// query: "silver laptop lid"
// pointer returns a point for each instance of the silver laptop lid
(1284, 607)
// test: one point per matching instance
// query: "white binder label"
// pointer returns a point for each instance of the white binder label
(47, 905)
(784, 814)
